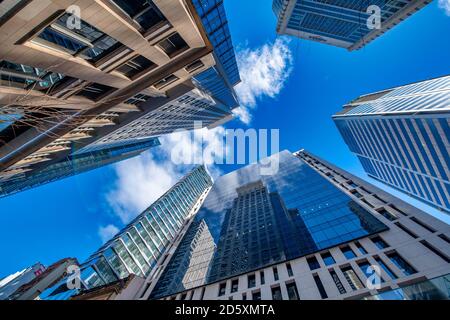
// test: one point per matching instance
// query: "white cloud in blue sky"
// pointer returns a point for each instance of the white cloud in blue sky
(263, 70)
(445, 5)
(107, 232)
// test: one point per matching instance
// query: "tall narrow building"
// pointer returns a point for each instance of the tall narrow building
(346, 24)
(309, 231)
(402, 138)
(137, 247)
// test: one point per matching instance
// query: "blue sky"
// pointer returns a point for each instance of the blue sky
(63, 218)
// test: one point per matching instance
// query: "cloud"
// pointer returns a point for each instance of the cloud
(263, 71)
(143, 179)
(107, 232)
(445, 5)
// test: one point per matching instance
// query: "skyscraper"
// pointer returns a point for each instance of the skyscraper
(74, 164)
(310, 231)
(341, 23)
(137, 247)
(127, 70)
(402, 138)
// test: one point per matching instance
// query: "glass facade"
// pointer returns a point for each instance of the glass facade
(401, 137)
(257, 220)
(75, 164)
(136, 248)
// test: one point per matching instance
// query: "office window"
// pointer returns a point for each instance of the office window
(222, 288)
(401, 263)
(367, 270)
(348, 252)
(195, 66)
(144, 12)
(445, 238)
(275, 274)
(251, 281)
(380, 243)
(173, 45)
(256, 295)
(87, 42)
(138, 98)
(135, 66)
(263, 280)
(423, 225)
(313, 263)
(289, 270)
(435, 251)
(166, 81)
(360, 248)
(292, 291)
(95, 91)
(337, 282)
(328, 258)
(387, 215)
(352, 278)
(406, 230)
(276, 293)
(234, 285)
(386, 268)
(320, 287)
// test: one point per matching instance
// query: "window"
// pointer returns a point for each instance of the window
(366, 268)
(313, 263)
(337, 282)
(95, 91)
(406, 230)
(360, 248)
(234, 285)
(289, 270)
(256, 295)
(435, 251)
(135, 66)
(222, 289)
(139, 98)
(348, 252)
(445, 238)
(387, 215)
(423, 225)
(401, 263)
(195, 66)
(386, 268)
(320, 287)
(275, 274)
(276, 293)
(380, 243)
(144, 12)
(251, 281)
(87, 42)
(166, 81)
(328, 258)
(352, 278)
(292, 291)
(173, 45)
(263, 280)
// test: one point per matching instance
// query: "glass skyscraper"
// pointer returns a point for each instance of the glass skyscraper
(258, 220)
(341, 23)
(75, 164)
(402, 138)
(137, 248)
(309, 231)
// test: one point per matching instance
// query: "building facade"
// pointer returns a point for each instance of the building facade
(10, 284)
(76, 163)
(401, 137)
(80, 74)
(137, 248)
(310, 231)
(341, 23)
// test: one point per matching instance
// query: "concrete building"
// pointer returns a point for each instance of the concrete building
(401, 137)
(330, 227)
(13, 282)
(341, 23)
(137, 247)
(76, 74)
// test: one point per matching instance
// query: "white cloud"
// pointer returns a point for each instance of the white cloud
(143, 179)
(263, 71)
(107, 232)
(445, 5)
